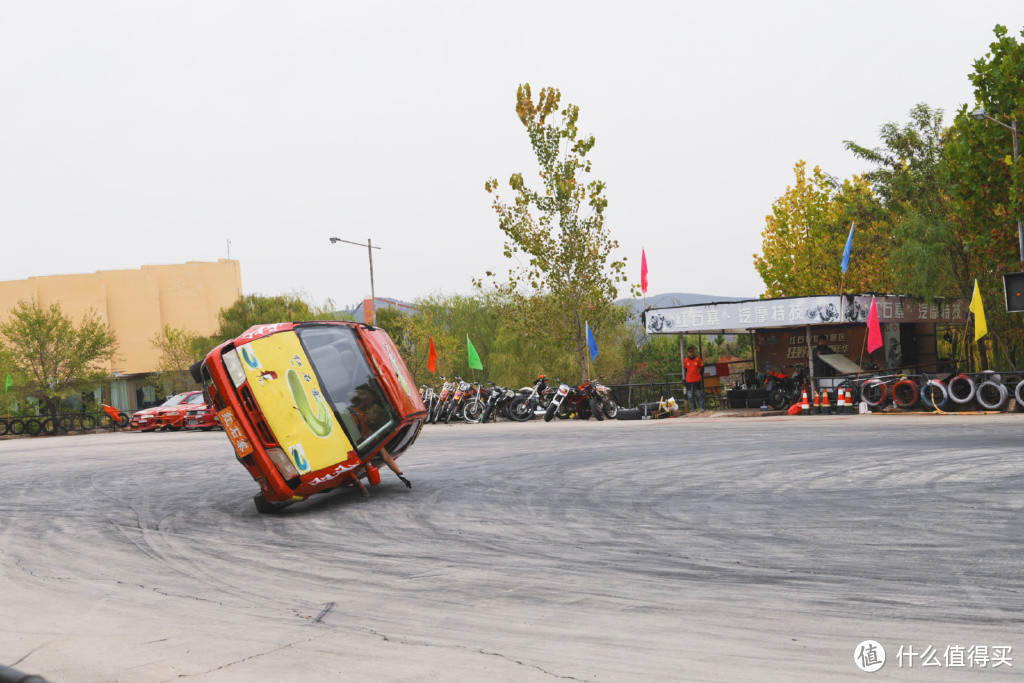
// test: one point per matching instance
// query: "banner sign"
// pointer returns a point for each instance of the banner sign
(758, 314)
(905, 309)
(739, 316)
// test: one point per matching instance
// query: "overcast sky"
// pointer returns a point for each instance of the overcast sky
(139, 132)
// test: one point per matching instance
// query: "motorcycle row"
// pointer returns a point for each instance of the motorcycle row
(462, 401)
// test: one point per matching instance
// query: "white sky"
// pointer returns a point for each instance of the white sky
(141, 132)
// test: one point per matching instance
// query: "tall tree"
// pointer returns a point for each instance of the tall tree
(55, 357)
(561, 230)
(988, 187)
(804, 236)
(931, 243)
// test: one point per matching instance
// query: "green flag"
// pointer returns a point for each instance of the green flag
(9, 382)
(474, 357)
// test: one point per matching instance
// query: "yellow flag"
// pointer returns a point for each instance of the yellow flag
(980, 326)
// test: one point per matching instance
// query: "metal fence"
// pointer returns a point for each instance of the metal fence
(632, 395)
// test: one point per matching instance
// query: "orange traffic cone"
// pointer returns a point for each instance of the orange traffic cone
(841, 402)
(817, 403)
(825, 409)
(805, 407)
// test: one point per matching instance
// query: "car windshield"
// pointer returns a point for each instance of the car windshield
(173, 400)
(348, 382)
(196, 399)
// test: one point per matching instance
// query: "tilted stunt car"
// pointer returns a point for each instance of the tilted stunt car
(312, 406)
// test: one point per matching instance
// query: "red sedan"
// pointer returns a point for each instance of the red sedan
(202, 417)
(170, 414)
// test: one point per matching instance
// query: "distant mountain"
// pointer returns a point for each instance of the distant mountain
(676, 299)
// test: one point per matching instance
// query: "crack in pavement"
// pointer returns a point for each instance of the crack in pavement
(386, 638)
(245, 659)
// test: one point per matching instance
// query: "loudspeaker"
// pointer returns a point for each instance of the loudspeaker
(1013, 287)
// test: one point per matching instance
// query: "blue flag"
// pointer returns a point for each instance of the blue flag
(592, 343)
(846, 252)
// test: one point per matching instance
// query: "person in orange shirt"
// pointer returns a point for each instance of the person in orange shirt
(694, 367)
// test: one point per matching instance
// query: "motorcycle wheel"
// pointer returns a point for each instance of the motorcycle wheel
(779, 399)
(474, 412)
(549, 414)
(611, 409)
(450, 413)
(595, 409)
(520, 409)
(487, 413)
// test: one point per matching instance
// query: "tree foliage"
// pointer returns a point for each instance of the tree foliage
(179, 349)
(941, 206)
(258, 309)
(571, 276)
(804, 236)
(54, 357)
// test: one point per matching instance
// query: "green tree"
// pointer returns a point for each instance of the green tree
(258, 309)
(987, 187)
(561, 230)
(931, 243)
(804, 237)
(55, 358)
(179, 349)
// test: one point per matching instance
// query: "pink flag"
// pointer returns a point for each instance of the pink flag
(874, 329)
(643, 271)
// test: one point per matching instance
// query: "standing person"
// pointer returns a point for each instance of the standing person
(821, 368)
(694, 368)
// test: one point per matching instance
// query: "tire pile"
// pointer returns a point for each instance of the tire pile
(986, 391)
(49, 426)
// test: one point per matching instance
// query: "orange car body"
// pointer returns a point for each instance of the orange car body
(308, 406)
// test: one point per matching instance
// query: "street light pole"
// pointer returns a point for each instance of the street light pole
(369, 250)
(980, 114)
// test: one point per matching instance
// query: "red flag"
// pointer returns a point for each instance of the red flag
(432, 356)
(643, 271)
(874, 329)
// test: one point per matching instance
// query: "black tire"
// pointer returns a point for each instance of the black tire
(4, 428)
(16, 427)
(934, 394)
(122, 420)
(595, 409)
(265, 507)
(196, 371)
(33, 427)
(961, 389)
(88, 423)
(49, 426)
(905, 393)
(487, 413)
(520, 409)
(991, 395)
(610, 408)
(1018, 393)
(779, 399)
(629, 414)
(549, 413)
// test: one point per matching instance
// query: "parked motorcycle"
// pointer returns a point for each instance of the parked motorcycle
(523, 406)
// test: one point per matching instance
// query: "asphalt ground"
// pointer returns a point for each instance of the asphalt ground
(684, 549)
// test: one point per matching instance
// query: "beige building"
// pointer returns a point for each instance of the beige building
(137, 304)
